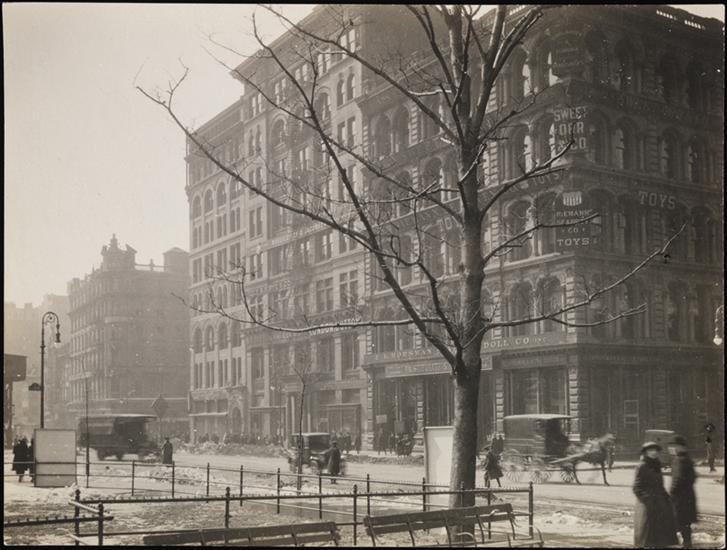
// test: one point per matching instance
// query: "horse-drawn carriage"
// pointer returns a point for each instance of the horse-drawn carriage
(536, 445)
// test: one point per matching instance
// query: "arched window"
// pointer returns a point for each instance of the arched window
(235, 336)
(696, 161)
(403, 192)
(671, 224)
(668, 76)
(350, 86)
(520, 307)
(278, 135)
(432, 251)
(196, 207)
(676, 312)
(235, 189)
(222, 335)
(545, 213)
(340, 88)
(433, 179)
(628, 77)
(635, 224)
(382, 137)
(597, 48)
(632, 295)
(546, 141)
(596, 136)
(668, 155)
(625, 152)
(221, 194)
(521, 84)
(197, 340)
(550, 296)
(401, 130)
(518, 218)
(209, 339)
(323, 108)
(521, 152)
(705, 231)
(209, 201)
(696, 87)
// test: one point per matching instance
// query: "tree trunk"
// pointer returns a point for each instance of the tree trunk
(464, 440)
(469, 363)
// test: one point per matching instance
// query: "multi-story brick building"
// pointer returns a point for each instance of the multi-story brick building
(129, 337)
(638, 88)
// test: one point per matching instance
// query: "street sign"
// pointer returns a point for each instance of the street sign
(159, 406)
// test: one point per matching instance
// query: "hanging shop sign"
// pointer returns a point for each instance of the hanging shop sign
(569, 123)
(571, 207)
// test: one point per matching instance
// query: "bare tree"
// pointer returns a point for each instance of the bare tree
(447, 78)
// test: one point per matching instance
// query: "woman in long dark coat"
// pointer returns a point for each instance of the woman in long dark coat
(492, 467)
(653, 516)
(334, 461)
(682, 490)
(21, 456)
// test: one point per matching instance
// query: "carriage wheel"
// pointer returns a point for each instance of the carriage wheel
(567, 473)
(538, 471)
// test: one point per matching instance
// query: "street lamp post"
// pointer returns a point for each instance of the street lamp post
(48, 317)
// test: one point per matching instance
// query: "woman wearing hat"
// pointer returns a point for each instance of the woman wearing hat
(653, 517)
(682, 489)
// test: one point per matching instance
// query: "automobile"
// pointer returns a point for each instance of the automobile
(315, 447)
(118, 435)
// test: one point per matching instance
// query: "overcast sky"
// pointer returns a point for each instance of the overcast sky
(86, 155)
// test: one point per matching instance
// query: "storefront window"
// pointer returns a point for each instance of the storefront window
(439, 401)
(553, 391)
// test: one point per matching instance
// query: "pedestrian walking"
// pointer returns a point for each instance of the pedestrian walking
(334, 461)
(379, 441)
(357, 443)
(498, 445)
(709, 428)
(492, 467)
(167, 451)
(392, 443)
(653, 516)
(20, 458)
(682, 489)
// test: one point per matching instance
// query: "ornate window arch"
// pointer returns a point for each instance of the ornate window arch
(221, 194)
(196, 207)
(401, 129)
(551, 297)
(520, 306)
(519, 217)
(209, 201)
(209, 338)
(278, 133)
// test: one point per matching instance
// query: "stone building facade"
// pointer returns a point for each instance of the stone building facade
(637, 89)
(129, 337)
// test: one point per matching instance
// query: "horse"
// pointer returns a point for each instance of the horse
(594, 451)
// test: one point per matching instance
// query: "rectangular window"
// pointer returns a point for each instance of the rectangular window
(349, 352)
(301, 300)
(323, 246)
(324, 355)
(257, 367)
(324, 294)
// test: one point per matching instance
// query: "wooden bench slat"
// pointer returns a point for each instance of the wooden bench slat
(253, 536)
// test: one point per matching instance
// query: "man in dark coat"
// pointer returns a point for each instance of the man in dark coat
(653, 516)
(682, 490)
(492, 467)
(167, 451)
(357, 442)
(20, 458)
(334, 461)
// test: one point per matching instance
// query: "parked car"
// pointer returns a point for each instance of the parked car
(118, 435)
(315, 452)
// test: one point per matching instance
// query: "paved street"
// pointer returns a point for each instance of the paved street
(710, 495)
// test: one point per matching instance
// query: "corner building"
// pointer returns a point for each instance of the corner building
(641, 89)
(128, 339)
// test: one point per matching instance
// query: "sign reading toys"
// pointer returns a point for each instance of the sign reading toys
(570, 208)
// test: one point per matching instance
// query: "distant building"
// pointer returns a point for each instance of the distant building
(129, 338)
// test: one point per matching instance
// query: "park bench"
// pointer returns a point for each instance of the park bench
(299, 534)
(479, 517)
